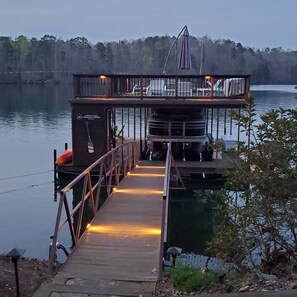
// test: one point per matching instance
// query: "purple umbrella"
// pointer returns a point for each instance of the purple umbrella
(185, 55)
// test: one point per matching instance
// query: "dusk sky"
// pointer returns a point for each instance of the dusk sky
(253, 23)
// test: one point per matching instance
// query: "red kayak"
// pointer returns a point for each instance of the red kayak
(65, 157)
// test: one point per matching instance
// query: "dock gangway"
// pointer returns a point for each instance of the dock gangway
(121, 250)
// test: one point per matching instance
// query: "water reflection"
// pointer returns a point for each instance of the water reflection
(192, 216)
(45, 103)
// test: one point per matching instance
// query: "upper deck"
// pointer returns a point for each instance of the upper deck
(161, 90)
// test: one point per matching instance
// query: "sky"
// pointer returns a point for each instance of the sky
(253, 23)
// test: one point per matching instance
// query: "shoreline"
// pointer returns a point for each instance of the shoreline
(32, 273)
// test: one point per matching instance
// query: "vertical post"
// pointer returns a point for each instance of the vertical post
(140, 125)
(231, 121)
(66, 146)
(211, 86)
(122, 128)
(55, 236)
(97, 199)
(134, 124)
(128, 122)
(145, 126)
(81, 208)
(176, 87)
(225, 120)
(211, 122)
(217, 138)
(206, 120)
(55, 175)
(238, 131)
(15, 262)
(162, 238)
(176, 58)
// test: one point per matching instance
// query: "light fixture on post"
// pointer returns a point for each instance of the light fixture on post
(15, 254)
(185, 56)
(174, 252)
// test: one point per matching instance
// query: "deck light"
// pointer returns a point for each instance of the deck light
(126, 229)
(139, 191)
(146, 174)
(103, 76)
(114, 189)
(207, 77)
(150, 167)
(15, 254)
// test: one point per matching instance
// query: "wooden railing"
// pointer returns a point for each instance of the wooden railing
(162, 86)
(106, 171)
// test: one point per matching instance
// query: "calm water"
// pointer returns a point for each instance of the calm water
(34, 120)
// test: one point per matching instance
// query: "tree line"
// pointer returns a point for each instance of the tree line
(51, 59)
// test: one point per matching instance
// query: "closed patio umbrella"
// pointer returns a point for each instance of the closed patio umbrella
(185, 56)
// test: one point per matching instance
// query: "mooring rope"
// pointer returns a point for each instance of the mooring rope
(25, 175)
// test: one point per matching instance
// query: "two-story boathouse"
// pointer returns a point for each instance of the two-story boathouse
(188, 111)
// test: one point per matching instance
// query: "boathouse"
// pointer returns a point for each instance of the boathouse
(191, 112)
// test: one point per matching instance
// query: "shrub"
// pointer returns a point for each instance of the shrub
(191, 279)
(260, 220)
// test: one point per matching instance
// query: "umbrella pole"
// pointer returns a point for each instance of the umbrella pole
(175, 41)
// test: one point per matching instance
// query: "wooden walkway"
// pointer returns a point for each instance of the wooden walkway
(119, 254)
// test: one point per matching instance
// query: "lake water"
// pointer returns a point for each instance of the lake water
(35, 120)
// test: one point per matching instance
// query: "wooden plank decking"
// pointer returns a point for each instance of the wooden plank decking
(119, 254)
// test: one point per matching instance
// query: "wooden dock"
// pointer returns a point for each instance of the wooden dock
(119, 253)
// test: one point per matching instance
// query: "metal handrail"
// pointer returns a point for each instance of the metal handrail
(165, 206)
(112, 165)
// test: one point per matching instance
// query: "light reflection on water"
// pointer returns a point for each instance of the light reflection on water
(34, 120)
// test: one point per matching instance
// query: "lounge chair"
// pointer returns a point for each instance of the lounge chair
(156, 87)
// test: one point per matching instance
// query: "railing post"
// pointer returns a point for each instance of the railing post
(211, 86)
(176, 87)
(91, 193)
(71, 228)
(53, 250)
(162, 244)
(115, 169)
(110, 173)
(141, 88)
(247, 87)
(81, 210)
(99, 187)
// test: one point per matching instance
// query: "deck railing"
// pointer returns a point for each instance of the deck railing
(104, 174)
(161, 87)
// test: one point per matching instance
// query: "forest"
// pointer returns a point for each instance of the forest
(53, 60)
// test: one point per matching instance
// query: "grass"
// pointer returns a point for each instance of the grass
(191, 279)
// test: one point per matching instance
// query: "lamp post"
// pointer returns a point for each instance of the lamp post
(174, 252)
(185, 58)
(15, 254)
